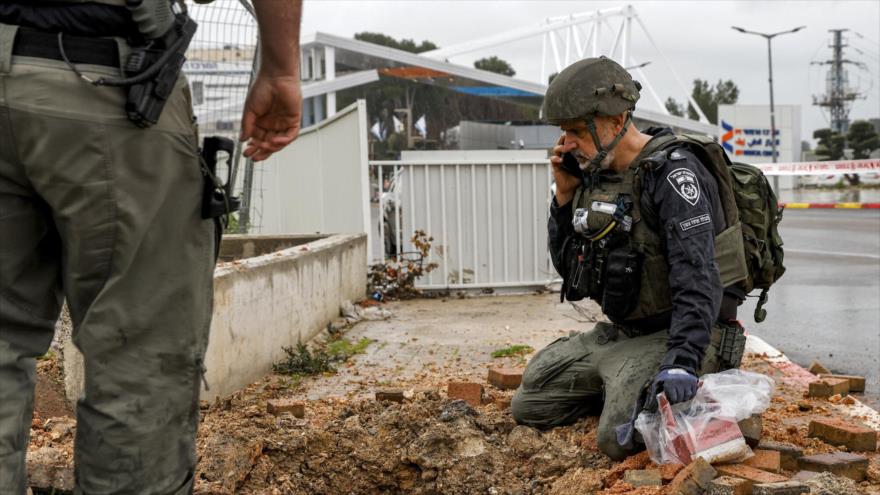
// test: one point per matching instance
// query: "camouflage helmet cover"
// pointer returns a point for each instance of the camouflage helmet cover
(593, 86)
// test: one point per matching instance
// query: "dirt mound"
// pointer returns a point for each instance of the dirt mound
(426, 445)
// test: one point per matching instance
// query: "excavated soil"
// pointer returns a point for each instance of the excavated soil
(347, 442)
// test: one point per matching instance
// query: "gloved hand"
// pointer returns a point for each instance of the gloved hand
(680, 385)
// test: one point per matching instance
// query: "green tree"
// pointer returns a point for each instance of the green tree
(674, 107)
(708, 97)
(406, 45)
(830, 145)
(496, 65)
(862, 138)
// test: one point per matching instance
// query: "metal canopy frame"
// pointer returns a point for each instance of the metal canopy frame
(562, 37)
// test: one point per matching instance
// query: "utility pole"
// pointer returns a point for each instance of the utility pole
(838, 96)
(769, 38)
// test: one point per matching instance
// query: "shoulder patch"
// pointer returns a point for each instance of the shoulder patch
(694, 222)
(685, 183)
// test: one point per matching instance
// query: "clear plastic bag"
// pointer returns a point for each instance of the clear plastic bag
(706, 426)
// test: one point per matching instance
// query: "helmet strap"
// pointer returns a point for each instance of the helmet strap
(602, 152)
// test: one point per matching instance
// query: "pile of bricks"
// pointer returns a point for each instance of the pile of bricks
(829, 385)
(759, 475)
(476, 395)
(777, 468)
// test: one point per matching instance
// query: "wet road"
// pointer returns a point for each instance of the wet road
(827, 305)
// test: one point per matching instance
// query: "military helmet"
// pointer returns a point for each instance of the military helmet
(593, 86)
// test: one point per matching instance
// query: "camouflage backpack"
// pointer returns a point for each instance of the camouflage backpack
(746, 196)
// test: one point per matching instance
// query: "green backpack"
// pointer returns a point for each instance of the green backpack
(746, 196)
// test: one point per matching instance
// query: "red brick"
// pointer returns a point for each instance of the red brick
(856, 383)
(837, 432)
(816, 368)
(278, 406)
(767, 460)
(788, 453)
(826, 387)
(389, 395)
(729, 485)
(781, 488)
(693, 479)
(472, 393)
(749, 473)
(505, 378)
(852, 466)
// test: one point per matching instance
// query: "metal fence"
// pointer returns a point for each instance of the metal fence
(221, 63)
(488, 219)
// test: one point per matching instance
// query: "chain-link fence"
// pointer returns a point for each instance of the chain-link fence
(220, 66)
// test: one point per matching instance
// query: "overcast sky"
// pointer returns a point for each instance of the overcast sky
(695, 36)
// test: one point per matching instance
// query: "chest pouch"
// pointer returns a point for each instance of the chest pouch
(623, 275)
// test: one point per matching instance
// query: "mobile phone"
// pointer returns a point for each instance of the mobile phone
(571, 166)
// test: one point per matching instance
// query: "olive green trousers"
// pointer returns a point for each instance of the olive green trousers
(598, 371)
(107, 215)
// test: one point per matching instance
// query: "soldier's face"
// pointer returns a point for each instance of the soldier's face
(580, 142)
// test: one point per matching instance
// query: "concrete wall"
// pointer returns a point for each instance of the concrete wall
(265, 302)
(237, 247)
(275, 300)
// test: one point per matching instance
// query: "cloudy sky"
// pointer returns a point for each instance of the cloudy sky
(695, 36)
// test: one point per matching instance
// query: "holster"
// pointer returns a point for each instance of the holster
(576, 259)
(730, 339)
(217, 199)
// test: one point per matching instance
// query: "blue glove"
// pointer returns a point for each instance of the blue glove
(680, 385)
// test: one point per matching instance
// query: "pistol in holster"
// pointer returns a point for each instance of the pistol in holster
(217, 199)
(154, 65)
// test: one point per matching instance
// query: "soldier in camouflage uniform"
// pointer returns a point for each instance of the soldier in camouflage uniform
(106, 214)
(633, 225)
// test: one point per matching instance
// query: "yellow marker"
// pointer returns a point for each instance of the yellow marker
(848, 205)
(797, 205)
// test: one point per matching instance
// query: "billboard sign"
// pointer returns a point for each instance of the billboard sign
(744, 132)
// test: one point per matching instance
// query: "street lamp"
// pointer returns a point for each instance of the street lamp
(769, 37)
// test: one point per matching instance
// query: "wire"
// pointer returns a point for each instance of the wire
(862, 36)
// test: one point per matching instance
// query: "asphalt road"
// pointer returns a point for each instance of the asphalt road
(827, 305)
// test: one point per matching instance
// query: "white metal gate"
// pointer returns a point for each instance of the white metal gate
(488, 219)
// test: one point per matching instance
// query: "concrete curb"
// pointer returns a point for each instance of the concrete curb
(832, 206)
(796, 375)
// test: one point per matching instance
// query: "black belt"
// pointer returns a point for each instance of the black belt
(79, 49)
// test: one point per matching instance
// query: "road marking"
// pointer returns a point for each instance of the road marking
(830, 253)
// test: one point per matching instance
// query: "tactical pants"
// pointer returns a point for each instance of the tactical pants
(97, 210)
(565, 381)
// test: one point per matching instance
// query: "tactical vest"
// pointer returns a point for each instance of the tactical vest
(105, 2)
(619, 257)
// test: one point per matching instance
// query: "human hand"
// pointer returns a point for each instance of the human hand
(566, 183)
(680, 385)
(272, 115)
